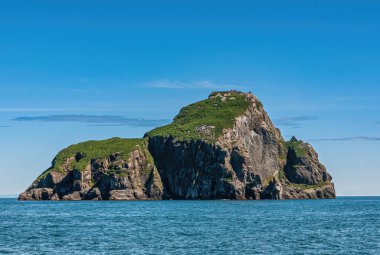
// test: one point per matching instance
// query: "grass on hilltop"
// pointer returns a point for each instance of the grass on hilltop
(298, 147)
(210, 112)
(97, 149)
(306, 186)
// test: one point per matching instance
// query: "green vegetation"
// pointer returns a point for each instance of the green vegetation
(282, 175)
(97, 149)
(259, 105)
(298, 147)
(305, 186)
(217, 113)
(43, 174)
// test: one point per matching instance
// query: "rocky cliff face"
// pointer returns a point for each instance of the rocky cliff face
(119, 175)
(247, 160)
(224, 147)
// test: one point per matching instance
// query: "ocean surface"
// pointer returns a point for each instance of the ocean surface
(347, 225)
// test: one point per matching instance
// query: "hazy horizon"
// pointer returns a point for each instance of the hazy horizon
(90, 70)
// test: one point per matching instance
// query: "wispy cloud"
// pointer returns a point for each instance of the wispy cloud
(200, 84)
(5, 126)
(96, 120)
(31, 109)
(294, 122)
(353, 138)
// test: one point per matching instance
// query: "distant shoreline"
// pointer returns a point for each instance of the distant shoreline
(9, 196)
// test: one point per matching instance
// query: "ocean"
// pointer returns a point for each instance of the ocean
(346, 225)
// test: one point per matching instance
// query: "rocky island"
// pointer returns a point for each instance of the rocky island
(224, 147)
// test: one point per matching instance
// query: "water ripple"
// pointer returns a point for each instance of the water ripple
(342, 226)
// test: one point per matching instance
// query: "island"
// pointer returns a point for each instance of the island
(223, 147)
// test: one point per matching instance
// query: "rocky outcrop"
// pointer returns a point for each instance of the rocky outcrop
(305, 176)
(225, 147)
(302, 165)
(116, 177)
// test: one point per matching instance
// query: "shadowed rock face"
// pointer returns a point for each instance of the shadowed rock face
(194, 170)
(247, 159)
(305, 168)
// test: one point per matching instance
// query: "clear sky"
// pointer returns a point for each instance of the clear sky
(77, 70)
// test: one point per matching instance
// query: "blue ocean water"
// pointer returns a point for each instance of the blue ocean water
(347, 225)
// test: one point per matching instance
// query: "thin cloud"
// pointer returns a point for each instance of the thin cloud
(201, 84)
(41, 109)
(294, 122)
(96, 120)
(354, 138)
(5, 126)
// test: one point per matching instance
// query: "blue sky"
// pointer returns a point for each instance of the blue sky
(77, 70)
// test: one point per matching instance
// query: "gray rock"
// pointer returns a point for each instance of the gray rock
(76, 195)
(102, 178)
(303, 166)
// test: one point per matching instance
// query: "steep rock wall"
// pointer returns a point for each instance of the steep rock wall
(112, 178)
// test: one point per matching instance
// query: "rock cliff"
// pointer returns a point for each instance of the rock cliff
(112, 169)
(224, 147)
